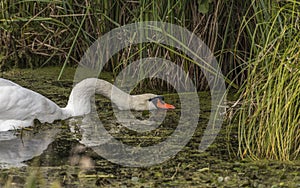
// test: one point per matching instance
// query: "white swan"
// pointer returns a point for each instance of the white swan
(20, 106)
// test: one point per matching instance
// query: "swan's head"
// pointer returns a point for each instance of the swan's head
(149, 102)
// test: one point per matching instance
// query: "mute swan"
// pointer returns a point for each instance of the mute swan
(20, 106)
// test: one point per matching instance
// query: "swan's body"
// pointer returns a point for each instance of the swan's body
(20, 106)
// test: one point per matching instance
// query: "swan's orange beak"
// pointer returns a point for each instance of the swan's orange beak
(162, 105)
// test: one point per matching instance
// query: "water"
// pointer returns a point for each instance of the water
(67, 153)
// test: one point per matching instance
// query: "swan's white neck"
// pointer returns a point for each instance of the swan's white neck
(80, 98)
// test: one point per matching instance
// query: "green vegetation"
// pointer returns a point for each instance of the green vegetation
(269, 117)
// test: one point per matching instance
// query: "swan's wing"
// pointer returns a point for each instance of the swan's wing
(18, 103)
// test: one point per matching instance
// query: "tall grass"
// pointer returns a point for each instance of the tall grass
(269, 119)
(34, 33)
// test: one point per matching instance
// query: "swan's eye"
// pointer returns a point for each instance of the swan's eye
(158, 97)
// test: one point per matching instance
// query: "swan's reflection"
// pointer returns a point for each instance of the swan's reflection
(129, 120)
(108, 143)
(93, 133)
(14, 150)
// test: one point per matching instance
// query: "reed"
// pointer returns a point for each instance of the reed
(269, 117)
(44, 32)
